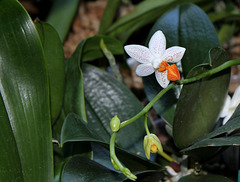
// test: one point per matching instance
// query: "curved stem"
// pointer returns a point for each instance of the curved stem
(210, 72)
(146, 125)
(112, 151)
(148, 106)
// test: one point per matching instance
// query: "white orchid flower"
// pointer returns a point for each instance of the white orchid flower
(156, 59)
(230, 105)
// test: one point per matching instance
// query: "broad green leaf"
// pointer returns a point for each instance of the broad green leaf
(26, 147)
(105, 98)
(88, 49)
(218, 16)
(61, 16)
(231, 125)
(108, 15)
(226, 33)
(145, 13)
(76, 130)
(55, 65)
(200, 102)
(93, 51)
(205, 178)
(80, 169)
(215, 142)
(187, 26)
(74, 92)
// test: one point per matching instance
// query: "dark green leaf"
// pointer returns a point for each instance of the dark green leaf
(88, 49)
(187, 26)
(26, 147)
(215, 142)
(74, 94)
(108, 15)
(80, 169)
(55, 65)
(218, 16)
(200, 102)
(105, 98)
(93, 51)
(205, 178)
(61, 16)
(208, 139)
(76, 130)
(145, 13)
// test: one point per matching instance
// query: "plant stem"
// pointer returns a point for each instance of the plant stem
(145, 124)
(210, 72)
(111, 60)
(148, 106)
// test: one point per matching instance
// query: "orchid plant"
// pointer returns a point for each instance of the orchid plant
(60, 118)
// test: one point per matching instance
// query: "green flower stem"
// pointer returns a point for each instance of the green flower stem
(113, 156)
(148, 106)
(210, 72)
(112, 151)
(145, 124)
(111, 60)
(166, 156)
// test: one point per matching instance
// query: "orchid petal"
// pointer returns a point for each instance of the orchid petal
(235, 98)
(173, 54)
(144, 69)
(225, 109)
(157, 43)
(141, 53)
(162, 78)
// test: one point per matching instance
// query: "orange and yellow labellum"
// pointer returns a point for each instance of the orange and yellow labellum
(163, 66)
(173, 73)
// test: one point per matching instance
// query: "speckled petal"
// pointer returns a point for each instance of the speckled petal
(157, 43)
(144, 69)
(173, 54)
(162, 78)
(141, 53)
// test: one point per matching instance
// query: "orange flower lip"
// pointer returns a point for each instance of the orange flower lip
(163, 66)
(173, 73)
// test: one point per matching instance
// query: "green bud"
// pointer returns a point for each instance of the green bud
(152, 144)
(115, 166)
(128, 174)
(115, 124)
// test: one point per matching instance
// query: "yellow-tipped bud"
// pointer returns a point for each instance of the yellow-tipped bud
(152, 144)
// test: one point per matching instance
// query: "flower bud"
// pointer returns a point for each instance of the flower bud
(115, 124)
(152, 144)
(115, 166)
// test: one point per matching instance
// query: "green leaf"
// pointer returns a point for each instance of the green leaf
(209, 141)
(61, 16)
(193, 115)
(55, 65)
(187, 26)
(145, 13)
(76, 130)
(93, 51)
(218, 16)
(74, 92)
(200, 102)
(205, 178)
(88, 49)
(215, 142)
(105, 98)
(81, 169)
(26, 147)
(108, 15)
